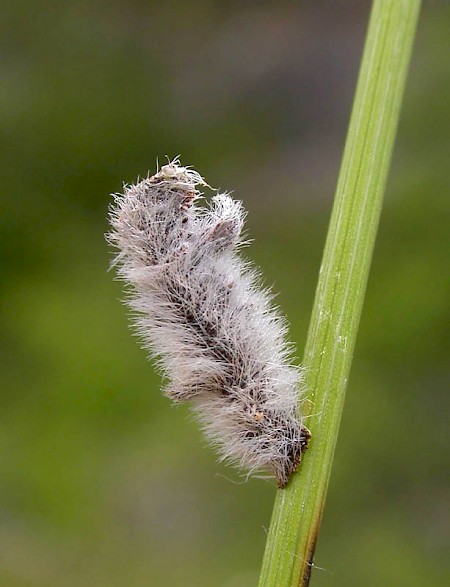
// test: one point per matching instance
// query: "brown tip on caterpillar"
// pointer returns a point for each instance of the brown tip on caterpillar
(305, 436)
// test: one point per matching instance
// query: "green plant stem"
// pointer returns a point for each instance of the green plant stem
(342, 282)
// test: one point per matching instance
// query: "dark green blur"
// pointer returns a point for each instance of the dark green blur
(102, 483)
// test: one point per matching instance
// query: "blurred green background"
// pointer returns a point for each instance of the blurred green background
(102, 483)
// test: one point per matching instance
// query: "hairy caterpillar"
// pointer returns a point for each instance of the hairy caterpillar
(203, 315)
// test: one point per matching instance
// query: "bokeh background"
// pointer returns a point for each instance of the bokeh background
(102, 483)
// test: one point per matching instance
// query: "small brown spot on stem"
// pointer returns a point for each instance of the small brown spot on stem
(309, 560)
(306, 576)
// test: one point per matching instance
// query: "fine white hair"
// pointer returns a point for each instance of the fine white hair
(203, 315)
